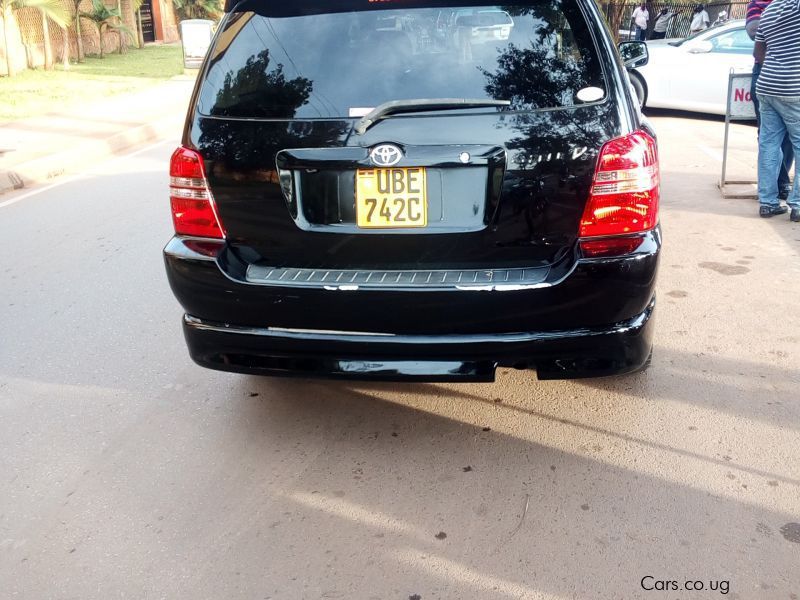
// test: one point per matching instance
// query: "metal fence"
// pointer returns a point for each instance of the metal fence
(619, 16)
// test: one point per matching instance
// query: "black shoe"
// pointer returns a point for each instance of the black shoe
(768, 210)
(795, 215)
(784, 193)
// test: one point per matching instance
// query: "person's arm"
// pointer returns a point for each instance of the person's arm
(752, 27)
(754, 10)
(760, 49)
(760, 52)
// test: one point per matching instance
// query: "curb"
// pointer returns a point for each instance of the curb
(44, 169)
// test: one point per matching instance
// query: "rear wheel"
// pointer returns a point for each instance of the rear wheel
(640, 88)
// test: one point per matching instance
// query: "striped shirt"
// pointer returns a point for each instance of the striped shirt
(779, 28)
(754, 10)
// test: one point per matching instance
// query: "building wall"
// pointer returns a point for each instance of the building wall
(169, 21)
(27, 39)
(165, 21)
(16, 49)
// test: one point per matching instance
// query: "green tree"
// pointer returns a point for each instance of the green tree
(78, 36)
(136, 6)
(48, 9)
(103, 19)
(198, 9)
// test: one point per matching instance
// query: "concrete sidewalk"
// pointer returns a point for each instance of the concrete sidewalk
(38, 149)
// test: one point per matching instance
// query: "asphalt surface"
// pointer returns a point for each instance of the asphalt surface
(128, 472)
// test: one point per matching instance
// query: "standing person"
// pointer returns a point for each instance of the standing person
(662, 22)
(641, 17)
(778, 90)
(700, 20)
(754, 11)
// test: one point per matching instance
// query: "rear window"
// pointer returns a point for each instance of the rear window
(334, 65)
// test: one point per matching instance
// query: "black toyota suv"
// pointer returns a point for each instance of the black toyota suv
(405, 189)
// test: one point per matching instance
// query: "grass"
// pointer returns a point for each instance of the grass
(36, 92)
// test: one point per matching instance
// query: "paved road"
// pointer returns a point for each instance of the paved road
(126, 471)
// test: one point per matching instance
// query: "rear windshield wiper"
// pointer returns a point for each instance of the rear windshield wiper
(421, 105)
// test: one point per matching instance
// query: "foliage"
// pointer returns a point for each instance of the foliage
(198, 9)
(136, 6)
(535, 76)
(255, 86)
(50, 9)
(104, 19)
(78, 36)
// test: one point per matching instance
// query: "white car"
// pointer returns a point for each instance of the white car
(483, 26)
(692, 74)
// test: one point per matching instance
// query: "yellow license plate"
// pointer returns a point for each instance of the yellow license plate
(391, 198)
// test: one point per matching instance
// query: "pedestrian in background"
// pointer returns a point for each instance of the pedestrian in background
(662, 22)
(700, 20)
(641, 17)
(778, 90)
(754, 11)
(722, 18)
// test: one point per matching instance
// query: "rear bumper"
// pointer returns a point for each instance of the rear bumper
(596, 352)
(594, 319)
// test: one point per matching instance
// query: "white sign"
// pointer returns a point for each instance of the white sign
(740, 108)
(196, 37)
(740, 102)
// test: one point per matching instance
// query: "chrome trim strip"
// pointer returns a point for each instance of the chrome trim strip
(469, 279)
(621, 328)
(325, 332)
(177, 248)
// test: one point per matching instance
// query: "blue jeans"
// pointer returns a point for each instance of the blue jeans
(784, 183)
(779, 117)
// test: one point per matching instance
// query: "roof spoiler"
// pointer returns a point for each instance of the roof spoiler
(281, 8)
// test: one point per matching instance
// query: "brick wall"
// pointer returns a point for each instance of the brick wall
(27, 38)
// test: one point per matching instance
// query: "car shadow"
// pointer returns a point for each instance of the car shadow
(682, 114)
(441, 492)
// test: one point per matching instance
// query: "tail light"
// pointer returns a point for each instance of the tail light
(193, 209)
(624, 196)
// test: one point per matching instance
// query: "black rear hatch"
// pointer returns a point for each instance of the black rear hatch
(283, 93)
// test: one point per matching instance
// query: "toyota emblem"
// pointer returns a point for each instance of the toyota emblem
(385, 155)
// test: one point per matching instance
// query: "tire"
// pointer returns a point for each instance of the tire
(640, 88)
